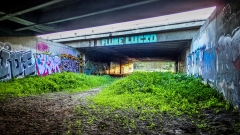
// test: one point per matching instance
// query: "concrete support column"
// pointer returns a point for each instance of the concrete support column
(120, 67)
(176, 66)
(109, 68)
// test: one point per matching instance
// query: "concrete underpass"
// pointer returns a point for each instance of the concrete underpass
(153, 44)
(204, 48)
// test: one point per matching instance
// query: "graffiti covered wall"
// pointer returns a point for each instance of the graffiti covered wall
(96, 68)
(70, 63)
(24, 56)
(215, 51)
(15, 63)
(47, 64)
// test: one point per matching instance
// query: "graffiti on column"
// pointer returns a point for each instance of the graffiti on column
(81, 63)
(70, 63)
(89, 67)
(47, 64)
(228, 64)
(14, 64)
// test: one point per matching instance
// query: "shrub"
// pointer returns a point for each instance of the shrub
(165, 92)
(66, 82)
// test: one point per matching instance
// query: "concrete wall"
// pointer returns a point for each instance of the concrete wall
(181, 62)
(215, 51)
(23, 56)
(136, 39)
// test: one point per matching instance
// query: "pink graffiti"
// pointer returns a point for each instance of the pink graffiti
(42, 47)
(47, 64)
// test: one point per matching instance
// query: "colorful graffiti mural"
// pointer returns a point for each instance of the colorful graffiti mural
(23, 63)
(201, 62)
(96, 68)
(15, 64)
(47, 64)
(70, 63)
(228, 63)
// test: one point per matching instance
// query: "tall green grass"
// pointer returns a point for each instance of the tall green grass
(66, 82)
(161, 92)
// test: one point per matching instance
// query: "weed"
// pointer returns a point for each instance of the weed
(202, 126)
(65, 82)
(176, 94)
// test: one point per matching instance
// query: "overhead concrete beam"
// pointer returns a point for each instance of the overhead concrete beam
(168, 27)
(160, 37)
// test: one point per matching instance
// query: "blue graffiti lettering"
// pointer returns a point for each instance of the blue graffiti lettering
(150, 38)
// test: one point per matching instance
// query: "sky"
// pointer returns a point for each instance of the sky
(200, 14)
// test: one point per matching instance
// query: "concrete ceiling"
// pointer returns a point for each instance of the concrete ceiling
(33, 17)
(161, 51)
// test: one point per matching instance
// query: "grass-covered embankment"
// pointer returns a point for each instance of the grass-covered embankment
(155, 103)
(161, 92)
(59, 82)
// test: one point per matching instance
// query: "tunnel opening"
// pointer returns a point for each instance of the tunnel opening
(153, 66)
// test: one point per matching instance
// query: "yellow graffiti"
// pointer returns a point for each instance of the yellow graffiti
(69, 56)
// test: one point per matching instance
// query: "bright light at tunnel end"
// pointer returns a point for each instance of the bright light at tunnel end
(200, 14)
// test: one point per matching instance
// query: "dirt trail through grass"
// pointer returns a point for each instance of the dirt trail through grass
(44, 114)
(53, 113)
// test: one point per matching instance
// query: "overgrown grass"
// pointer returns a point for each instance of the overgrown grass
(59, 82)
(153, 92)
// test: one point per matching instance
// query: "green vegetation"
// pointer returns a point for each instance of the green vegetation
(59, 82)
(154, 92)
(150, 103)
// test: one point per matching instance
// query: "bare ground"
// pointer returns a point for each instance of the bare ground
(55, 113)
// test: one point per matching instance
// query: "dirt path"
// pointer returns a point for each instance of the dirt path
(53, 113)
(44, 114)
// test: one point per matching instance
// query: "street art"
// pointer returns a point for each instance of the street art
(201, 62)
(81, 63)
(42, 47)
(23, 63)
(148, 38)
(47, 64)
(70, 63)
(6, 46)
(228, 63)
(15, 64)
(96, 68)
(208, 60)
(228, 50)
(230, 10)
(195, 62)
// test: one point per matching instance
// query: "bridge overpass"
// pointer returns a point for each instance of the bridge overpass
(163, 43)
